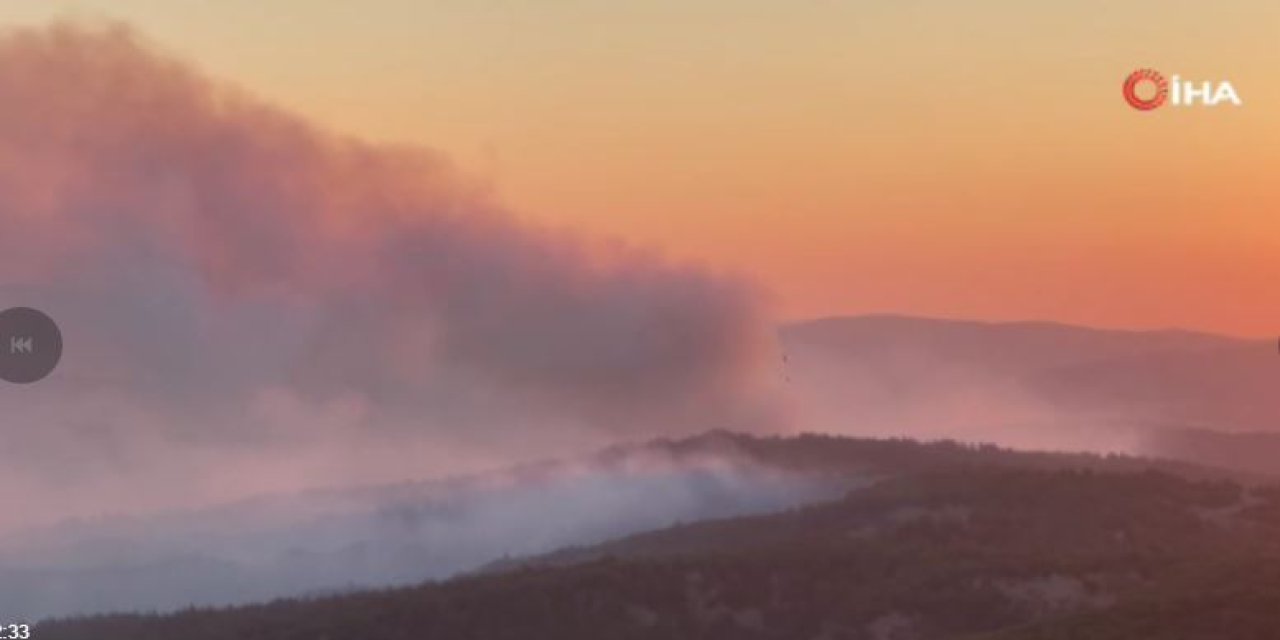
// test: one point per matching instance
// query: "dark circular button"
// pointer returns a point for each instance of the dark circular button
(30, 345)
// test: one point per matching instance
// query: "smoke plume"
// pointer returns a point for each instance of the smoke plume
(251, 302)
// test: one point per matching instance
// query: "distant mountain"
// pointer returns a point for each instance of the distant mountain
(1013, 347)
(986, 551)
(1256, 452)
(1028, 384)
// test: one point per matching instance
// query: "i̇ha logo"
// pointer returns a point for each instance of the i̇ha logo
(1147, 89)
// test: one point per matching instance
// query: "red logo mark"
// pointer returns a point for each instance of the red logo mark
(1137, 78)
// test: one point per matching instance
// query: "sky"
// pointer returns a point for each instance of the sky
(969, 160)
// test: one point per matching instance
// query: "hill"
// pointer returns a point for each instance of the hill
(953, 550)
(403, 534)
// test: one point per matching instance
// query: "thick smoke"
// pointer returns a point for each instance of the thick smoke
(251, 302)
(318, 542)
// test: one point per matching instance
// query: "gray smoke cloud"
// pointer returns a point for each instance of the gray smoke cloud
(318, 542)
(251, 302)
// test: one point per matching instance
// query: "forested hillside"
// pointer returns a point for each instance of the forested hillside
(989, 551)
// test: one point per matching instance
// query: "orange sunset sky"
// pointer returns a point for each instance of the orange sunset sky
(927, 157)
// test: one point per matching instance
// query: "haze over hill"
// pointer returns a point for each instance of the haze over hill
(968, 542)
(1028, 384)
(1021, 384)
(322, 541)
(375, 536)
